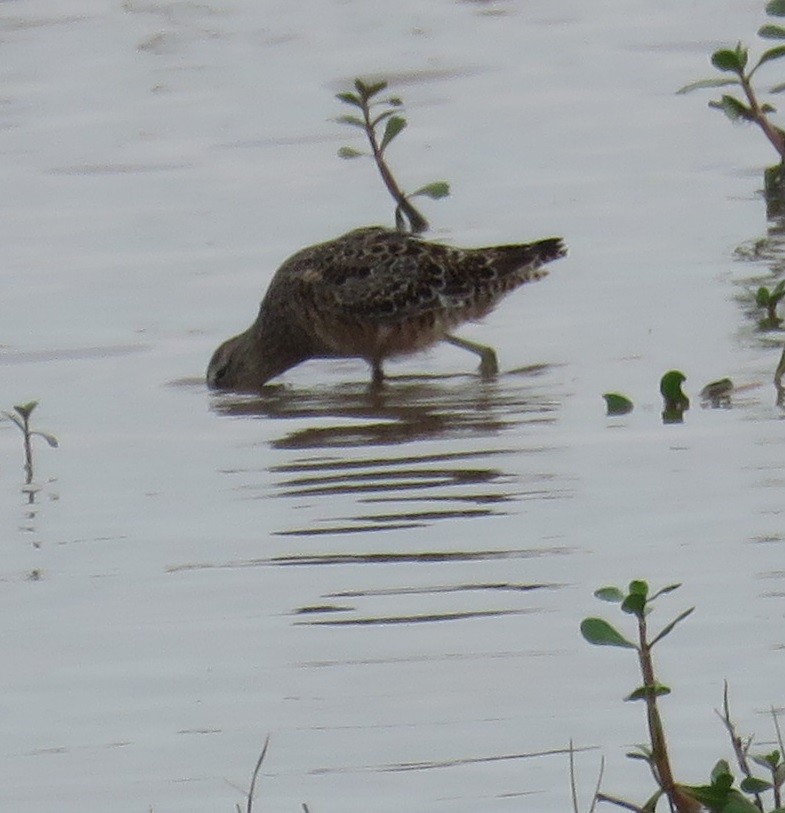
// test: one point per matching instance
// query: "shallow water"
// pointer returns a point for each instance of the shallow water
(390, 584)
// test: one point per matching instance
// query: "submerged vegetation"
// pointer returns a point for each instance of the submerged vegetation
(21, 418)
(375, 112)
(720, 795)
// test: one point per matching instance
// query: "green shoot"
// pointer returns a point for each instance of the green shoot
(21, 418)
(637, 601)
(676, 402)
(381, 122)
(617, 404)
(735, 69)
(769, 299)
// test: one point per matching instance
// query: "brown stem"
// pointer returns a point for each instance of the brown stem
(679, 800)
(417, 222)
(774, 134)
(28, 451)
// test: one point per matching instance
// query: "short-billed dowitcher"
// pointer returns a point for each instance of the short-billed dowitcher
(372, 294)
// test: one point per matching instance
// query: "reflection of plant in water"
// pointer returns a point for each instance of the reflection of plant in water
(720, 795)
(370, 122)
(769, 299)
(21, 417)
(736, 62)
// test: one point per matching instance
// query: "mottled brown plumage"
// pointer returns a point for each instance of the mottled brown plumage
(372, 293)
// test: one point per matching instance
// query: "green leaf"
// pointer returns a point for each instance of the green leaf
(435, 190)
(666, 630)
(381, 117)
(733, 108)
(634, 604)
(773, 53)
(394, 126)
(779, 774)
(26, 410)
(665, 590)
(642, 692)
(639, 588)
(762, 297)
(777, 88)
(349, 152)
(395, 101)
(727, 60)
(50, 439)
(16, 419)
(775, 8)
(768, 761)
(349, 98)
(600, 633)
(610, 594)
(772, 32)
(751, 784)
(717, 82)
(368, 90)
(617, 404)
(353, 120)
(376, 88)
(721, 775)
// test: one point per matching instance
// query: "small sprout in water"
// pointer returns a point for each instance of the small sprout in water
(735, 71)
(617, 404)
(21, 417)
(717, 393)
(382, 122)
(769, 299)
(676, 402)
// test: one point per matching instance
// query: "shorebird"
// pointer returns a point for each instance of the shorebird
(374, 293)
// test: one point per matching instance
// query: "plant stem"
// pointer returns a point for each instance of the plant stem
(774, 134)
(678, 799)
(417, 222)
(28, 450)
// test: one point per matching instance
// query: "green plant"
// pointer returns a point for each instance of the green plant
(676, 403)
(769, 299)
(21, 417)
(720, 795)
(617, 404)
(375, 112)
(638, 602)
(735, 61)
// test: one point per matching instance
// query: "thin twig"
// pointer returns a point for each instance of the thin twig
(255, 774)
(572, 779)
(597, 788)
(603, 797)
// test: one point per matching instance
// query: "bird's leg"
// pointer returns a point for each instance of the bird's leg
(489, 364)
(377, 374)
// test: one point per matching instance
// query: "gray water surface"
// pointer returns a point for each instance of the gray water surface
(389, 584)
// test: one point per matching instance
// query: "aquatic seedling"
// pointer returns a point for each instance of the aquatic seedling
(769, 299)
(717, 393)
(367, 101)
(720, 795)
(735, 61)
(637, 601)
(617, 404)
(676, 402)
(21, 417)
